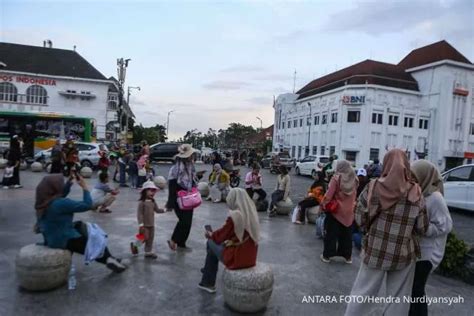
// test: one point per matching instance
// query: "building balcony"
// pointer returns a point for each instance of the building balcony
(24, 99)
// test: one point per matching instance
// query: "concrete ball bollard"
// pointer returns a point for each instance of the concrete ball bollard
(284, 207)
(3, 163)
(248, 290)
(39, 268)
(160, 182)
(203, 188)
(48, 168)
(312, 213)
(86, 172)
(36, 167)
(23, 165)
(262, 206)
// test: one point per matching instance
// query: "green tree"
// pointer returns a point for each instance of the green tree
(155, 134)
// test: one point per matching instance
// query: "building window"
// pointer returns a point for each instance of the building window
(323, 150)
(325, 119)
(8, 92)
(316, 120)
(353, 116)
(393, 120)
(308, 121)
(283, 125)
(306, 151)
(36, 94)
(332, 150)
(334, 117)
(295, 123)
(408, 122)
(374, 154)
(299, 151)
(472, 129)
(293, 151)
(377, 118)
(351, 156)
(315, 150)
(301, 122)
(289, 124)
(423, 124)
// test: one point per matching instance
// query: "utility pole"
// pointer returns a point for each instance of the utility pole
(168, 123)
(261, 123)
(122, 65)
(128, 105)
(294, 81)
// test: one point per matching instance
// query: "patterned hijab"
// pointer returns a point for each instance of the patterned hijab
(396, 181)
(243, 214)
(348, 179)
(49, 189)
(183, 171)
(428, 177)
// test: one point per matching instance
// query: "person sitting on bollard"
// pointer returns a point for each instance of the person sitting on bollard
(282, 189)
(236, 243)
(55, 214)
(103, 195)
(219, 183)
(253, 183)
(314, 198)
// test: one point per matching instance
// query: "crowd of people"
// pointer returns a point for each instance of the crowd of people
(394, 211)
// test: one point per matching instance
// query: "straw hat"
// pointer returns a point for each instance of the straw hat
(185, 151)
(149, 185)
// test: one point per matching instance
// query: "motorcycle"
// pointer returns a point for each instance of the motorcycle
(235, 178)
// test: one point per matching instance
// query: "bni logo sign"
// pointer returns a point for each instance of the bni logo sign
(352, 99)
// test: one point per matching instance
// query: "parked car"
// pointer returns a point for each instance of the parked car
(459, 187)
(163, 151)
(310, 165)
(284, 158)
(88, 154)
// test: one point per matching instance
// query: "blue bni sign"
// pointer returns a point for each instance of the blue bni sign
(352, 99)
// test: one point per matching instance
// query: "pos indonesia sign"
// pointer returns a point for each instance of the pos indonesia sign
(353, 99)
(27, 79)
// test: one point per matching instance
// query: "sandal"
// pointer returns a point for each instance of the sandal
(172, 245)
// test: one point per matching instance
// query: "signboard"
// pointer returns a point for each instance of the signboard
(353, 99)
(461, 91)
(468, 155)
(28, 80)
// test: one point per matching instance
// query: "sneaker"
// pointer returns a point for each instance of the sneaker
(324, 259)
(114, 265)
(208, 288)
(151, 255)
(17, 186)
(348, 261)
(133, 249)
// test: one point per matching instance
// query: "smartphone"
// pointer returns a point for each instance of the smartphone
(208, 228)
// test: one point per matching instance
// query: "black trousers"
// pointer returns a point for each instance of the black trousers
(422, 271)
(183, 227)
(338, 238)
(261, 193)
(78, 245)
(56, 167)
(16, 175)
(306, 203)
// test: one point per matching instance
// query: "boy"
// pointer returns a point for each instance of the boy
(102, 195)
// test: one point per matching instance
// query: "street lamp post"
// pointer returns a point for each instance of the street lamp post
(128, 104)
(309, 127)
(168, 123)
(261, 123)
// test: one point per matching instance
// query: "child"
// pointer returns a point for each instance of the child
(141, 164)
(104, 162)
(102, 195)
(8, 175)
(133, 171)
(146, 210)
(253, 183)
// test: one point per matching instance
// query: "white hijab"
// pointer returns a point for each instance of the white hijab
(243, 214)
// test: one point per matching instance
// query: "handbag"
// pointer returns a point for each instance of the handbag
(332, 206)
(320, 233)
(189, 200)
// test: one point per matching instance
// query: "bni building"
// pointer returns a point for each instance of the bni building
(423, 105)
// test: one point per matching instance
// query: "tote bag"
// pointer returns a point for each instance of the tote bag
(189, 200)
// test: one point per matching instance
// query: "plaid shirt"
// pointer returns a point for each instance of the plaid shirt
(391, 239)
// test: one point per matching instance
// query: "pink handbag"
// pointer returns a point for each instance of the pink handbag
(189, 200)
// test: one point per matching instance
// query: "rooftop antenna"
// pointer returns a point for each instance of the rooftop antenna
(294, 81)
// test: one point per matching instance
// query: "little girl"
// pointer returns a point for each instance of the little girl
(147, 208)
(8, 175)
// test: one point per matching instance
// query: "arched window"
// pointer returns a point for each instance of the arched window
(8, 92)
(36, 94)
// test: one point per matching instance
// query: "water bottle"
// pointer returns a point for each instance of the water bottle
(72, 278)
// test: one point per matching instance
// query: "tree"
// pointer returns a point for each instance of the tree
(155, 134)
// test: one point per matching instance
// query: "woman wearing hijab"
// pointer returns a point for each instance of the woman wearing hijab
(391, 211)
(55, 214)
(182, 176)
(440, 224)
(219, 182)
(14, 155)
(236, 243)
(338, 225)
(314, 198)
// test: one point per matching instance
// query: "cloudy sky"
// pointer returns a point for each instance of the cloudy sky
(217, 62)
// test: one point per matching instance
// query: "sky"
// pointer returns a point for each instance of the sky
(218, 62)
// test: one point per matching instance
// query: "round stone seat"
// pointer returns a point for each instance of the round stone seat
(39, 268)
(262, 206)
(203, 188)
(36, 167)
(284, 207)
(312, 213)
(3, 163)
(86, 172)
(248, 290)
(23, 165)
(160, 182)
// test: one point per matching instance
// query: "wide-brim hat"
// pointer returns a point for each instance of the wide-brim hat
(150, 185)
(185, 151)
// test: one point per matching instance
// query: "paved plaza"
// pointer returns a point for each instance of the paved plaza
(168, 286)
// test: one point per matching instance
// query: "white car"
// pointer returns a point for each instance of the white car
(310, 165)
(459, 187)
(88, 154)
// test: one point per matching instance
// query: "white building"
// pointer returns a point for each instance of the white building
(423, 105)
(46, 79)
